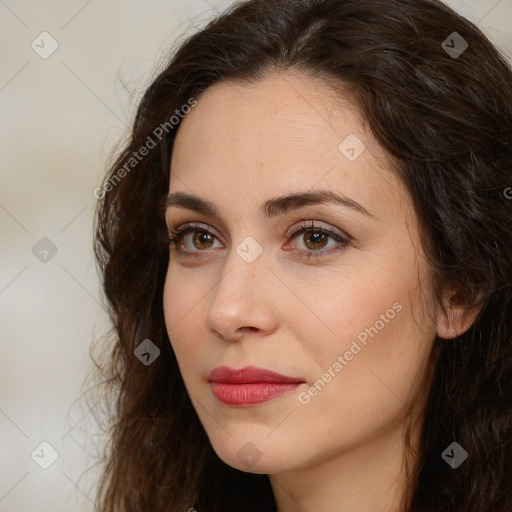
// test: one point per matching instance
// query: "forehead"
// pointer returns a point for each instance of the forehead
(277, 116)
(282, 133)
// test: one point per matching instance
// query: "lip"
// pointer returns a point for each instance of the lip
(249, 385)
(249, 375)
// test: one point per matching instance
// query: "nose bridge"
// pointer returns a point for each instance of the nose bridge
(242, 297)
(241, 275)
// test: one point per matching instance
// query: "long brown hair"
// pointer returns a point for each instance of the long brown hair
(437, 95)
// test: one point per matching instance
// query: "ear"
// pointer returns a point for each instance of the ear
(456, 317)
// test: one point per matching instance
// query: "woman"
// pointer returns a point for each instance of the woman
(306, 249)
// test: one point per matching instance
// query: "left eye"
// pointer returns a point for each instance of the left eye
(314, 240)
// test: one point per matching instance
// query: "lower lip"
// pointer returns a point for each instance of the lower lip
(250, 394)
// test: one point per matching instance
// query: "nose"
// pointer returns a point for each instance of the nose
(244, 299)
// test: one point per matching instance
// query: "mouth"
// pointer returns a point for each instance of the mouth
(250, 385)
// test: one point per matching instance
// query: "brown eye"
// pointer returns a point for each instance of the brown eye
(202, 238)
(315, 239)
(200, 241)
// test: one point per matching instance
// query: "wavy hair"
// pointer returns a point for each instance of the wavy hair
(445, 120)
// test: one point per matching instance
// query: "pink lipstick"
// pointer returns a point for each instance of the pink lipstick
(249, 385)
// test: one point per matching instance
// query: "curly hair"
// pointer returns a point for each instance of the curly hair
(445, 120)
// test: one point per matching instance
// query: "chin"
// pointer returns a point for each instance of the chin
(255, 454)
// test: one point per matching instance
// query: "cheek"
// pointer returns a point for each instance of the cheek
(340, 311)
(376, 358)
(181, 302)
(377, 325)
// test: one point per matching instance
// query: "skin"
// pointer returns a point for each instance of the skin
(240, 146)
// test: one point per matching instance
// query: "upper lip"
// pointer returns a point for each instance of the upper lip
(247, 375)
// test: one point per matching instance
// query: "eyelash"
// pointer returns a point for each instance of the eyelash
(176, 235)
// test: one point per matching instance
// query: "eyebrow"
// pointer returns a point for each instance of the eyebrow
(272, 207)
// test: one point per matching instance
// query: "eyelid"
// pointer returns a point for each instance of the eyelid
(307, 222)
(200, 226)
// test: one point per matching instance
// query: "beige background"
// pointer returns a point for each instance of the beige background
(60, 118)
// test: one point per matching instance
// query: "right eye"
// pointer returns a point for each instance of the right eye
(202, 239)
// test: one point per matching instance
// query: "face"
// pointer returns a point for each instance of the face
(325, 293)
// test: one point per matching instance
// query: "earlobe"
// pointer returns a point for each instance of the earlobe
(456, 317)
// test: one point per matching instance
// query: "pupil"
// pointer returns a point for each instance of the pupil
(202, 238)
(316, 238)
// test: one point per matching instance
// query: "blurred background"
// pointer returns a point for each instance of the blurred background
(71, 75)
